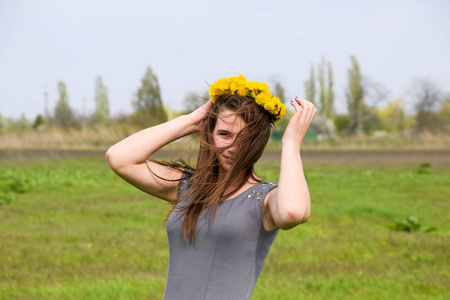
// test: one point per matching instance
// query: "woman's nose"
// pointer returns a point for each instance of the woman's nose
(232, 149)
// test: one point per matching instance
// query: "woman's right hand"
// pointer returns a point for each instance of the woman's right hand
(200, 113)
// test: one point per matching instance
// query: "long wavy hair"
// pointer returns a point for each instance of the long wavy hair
(206, 189)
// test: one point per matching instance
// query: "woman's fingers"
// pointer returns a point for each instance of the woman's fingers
(296, 105)
(304, 113)
(313, 113)
(208, 104)
(307, 108)
(201, 112)
(205, 107)
(310, 108)
(304, 103)
(300, 121)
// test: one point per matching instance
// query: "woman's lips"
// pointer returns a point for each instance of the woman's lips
(229, 160)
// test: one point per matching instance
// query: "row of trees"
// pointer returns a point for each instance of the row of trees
(148, 108)
(148, 105)
(431, 111)
(63, 115)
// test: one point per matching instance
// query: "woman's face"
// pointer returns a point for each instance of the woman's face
(227, 128)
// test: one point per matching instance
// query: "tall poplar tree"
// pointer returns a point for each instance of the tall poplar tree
(148, 104)
(323, 93)
(326, 89)
(354, 96)
(2, 123)
(310, 87)
(101, 114)
(279, 92)
(63, 113)
(330, 93)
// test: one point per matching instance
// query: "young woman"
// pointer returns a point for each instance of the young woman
(224, 217)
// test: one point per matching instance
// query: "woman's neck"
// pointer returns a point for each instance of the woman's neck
(241, 178)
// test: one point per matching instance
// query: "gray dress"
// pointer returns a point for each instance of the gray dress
(229, 255)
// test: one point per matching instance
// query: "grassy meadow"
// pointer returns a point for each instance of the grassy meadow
(71, 229)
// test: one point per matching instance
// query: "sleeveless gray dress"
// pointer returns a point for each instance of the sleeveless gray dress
(229, 255)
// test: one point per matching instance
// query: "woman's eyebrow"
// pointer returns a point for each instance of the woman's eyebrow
(223, 131)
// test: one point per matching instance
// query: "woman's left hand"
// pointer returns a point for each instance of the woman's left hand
(298, 125)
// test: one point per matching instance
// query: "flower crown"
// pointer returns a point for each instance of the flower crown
(258, 91)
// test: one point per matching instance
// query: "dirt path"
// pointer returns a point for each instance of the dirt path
(372, 157)
(327, 157)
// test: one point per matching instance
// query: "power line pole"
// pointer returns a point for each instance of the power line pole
(48, 119)
(46, 112)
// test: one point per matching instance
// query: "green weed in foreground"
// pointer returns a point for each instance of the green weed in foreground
(77, 231)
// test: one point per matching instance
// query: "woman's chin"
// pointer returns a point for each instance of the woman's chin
(225, 166)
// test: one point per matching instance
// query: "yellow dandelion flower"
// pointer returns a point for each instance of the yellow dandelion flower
(218, 93)
(269, 105)
(263, 86)
(241, 80)
(89, 245)
(222, 84)
(252, 87)
(234, 87)
(242, 91)
(280, 111)
(223, 92)
(262, 98)
(283, 110)
(275, 107)
(383, 243)
(213, 90)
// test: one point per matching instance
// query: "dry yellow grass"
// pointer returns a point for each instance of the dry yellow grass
(101, 137)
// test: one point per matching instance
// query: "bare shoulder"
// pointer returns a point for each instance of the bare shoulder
(268, 222)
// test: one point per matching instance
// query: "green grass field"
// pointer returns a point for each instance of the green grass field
(71, 229)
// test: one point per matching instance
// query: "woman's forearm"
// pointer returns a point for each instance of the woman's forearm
(293, 199)
(292, 204)
(140, 146)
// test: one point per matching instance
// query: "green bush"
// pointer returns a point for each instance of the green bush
(15, 183)
(342, 123)
(410, 224)
(7, 197)
(424, 168)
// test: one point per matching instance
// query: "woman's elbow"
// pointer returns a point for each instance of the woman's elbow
(113, 159)
(294, 218)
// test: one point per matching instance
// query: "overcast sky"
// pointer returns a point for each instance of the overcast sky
(188, 43)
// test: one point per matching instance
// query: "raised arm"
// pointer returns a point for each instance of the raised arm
(290, 204)
(128, 158)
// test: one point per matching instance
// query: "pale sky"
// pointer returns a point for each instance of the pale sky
(189, 42)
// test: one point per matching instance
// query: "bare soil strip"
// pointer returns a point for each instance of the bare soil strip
(386, 158)
(441, 158)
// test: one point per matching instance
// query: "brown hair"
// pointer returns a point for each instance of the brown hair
(206, 190)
